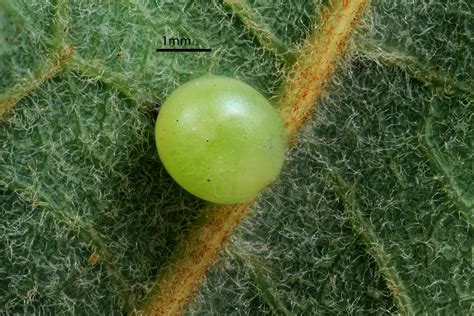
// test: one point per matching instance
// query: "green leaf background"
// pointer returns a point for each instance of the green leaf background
(373, 210)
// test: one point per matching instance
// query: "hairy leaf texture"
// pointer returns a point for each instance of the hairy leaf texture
(373, 212)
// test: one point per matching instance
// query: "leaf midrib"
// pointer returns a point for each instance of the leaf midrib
(304, 87)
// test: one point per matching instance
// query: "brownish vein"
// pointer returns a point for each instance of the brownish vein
(50, 68)
(304, 86)
(306, 80)
(61, 54)
(192, 259)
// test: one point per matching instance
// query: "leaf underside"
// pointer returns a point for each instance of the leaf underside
(373, 210)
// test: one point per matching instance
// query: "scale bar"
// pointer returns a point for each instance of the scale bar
(184, 50)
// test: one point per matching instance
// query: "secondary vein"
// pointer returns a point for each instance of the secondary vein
(96, 71)
(425, 73)
(460, 198)
(366, 231)
(86, 232)
(50, 68)
(258, 29)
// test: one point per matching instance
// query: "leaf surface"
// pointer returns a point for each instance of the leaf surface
(372, 213)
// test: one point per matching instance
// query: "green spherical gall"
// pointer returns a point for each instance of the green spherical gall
(220, 139)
